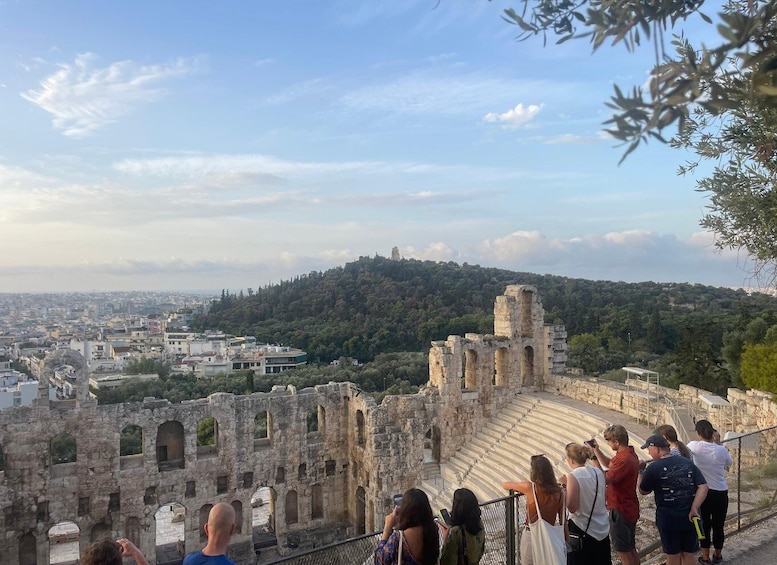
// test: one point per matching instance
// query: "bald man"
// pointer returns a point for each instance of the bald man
(219, 529)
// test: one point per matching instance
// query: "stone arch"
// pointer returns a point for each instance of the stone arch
(292, 516)
(132, 530)
(237, 506)
(100, 530)
(501, 366)
(204, 513)
(63, 449)
(432, 445)
(64, 542)
(317, 502)
(361, 526)
(527, 365)
(170, 446)
(262, 429)
(170, 523)
(28, 549)
(207, 437)
(359, 427)
(470, 380)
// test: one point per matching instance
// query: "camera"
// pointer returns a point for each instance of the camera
(591, 443)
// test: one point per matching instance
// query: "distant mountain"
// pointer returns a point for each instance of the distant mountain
(378, 305)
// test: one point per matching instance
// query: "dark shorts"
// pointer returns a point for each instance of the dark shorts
(622, 532)
(679, 541)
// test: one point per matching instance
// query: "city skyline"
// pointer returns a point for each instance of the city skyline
(192, 146)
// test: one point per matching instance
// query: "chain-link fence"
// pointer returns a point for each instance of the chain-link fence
(500, 520)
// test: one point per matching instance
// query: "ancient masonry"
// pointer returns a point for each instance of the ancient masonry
(331, 457)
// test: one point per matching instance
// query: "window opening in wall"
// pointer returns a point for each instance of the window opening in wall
(170, 446)
(432, 440)
(262, 428)
(63, 543)
(84, 506)
(131, 447)
(527, 297)
(28, 551)
(207, 437)
(527, 368)
(204, 512)
(149, 499)
(99, 531)
(361, 526)
(280, 475)
(238, 507)
(63, 449)
(330, 468)
(248, 479)
(263, 514)
(222, 484)
(501, 367)
(470, 370)
(42, 512)
(170, 532)
(191, 489)
(291, 507)
(359, 427)
(317, 502)
(321, 420)
(132, 530)
(114, 502)
(2, 461)
(312, 420)
(302, 471)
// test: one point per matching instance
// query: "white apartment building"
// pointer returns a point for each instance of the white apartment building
(15, 388)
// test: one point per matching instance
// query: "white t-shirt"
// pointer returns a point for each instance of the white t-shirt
(586, 479)
(712, 460)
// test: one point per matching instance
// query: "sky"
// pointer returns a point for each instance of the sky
(192, 145)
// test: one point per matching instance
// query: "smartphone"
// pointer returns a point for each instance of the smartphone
(397, 500)
(446, 516)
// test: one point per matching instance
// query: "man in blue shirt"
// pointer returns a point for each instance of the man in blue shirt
(219, 529)
(679, 488)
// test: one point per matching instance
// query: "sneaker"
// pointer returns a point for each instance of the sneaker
(704, 561)
(717, 558)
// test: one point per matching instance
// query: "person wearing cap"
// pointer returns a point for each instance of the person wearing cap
(679, 488)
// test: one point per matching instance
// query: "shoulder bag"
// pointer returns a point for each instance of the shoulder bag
(548, 545)
(575, 539)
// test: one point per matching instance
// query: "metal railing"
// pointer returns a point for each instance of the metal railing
(500, 520)
(754, 451)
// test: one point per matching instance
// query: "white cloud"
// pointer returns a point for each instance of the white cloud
(83, 98)
(574, 139)
(516, 117)
(434, 252)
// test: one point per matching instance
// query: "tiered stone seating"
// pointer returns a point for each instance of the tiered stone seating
(503, 448)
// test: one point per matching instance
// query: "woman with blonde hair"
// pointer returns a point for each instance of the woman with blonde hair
(545, 501)
(589, 524)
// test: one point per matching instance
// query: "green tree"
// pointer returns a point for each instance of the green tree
(759, 366)
(206, 431)
(721, 98)
(586, 352)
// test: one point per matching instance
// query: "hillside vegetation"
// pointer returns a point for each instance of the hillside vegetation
(377, 305)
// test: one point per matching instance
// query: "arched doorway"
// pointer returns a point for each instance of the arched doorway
(63, 542)
(28, 549)
(170, 532)
(263, 517)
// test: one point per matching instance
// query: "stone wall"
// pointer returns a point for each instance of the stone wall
(342, 475)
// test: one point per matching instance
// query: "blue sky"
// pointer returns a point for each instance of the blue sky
(208, 145)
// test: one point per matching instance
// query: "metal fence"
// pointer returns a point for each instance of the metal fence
(500, 520)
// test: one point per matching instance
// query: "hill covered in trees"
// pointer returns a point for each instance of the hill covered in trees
(378, 305)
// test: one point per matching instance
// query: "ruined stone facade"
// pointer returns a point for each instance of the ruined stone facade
(331, 457)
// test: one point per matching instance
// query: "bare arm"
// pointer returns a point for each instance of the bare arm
(701, 494)
(524, 487)
(573, 493)
(128, 549)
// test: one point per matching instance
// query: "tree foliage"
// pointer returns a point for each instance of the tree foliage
(722, 99)
(759, 366)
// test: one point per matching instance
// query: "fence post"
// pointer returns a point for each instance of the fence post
(739, 483)
(510, 527)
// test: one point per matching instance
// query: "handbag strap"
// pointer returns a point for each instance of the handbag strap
(596, 494)
(539, 510)
(464, 545)
(399, 553)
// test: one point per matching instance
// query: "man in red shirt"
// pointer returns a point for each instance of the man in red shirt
(621, 474)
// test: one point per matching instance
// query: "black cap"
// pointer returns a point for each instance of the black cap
(657, 441)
